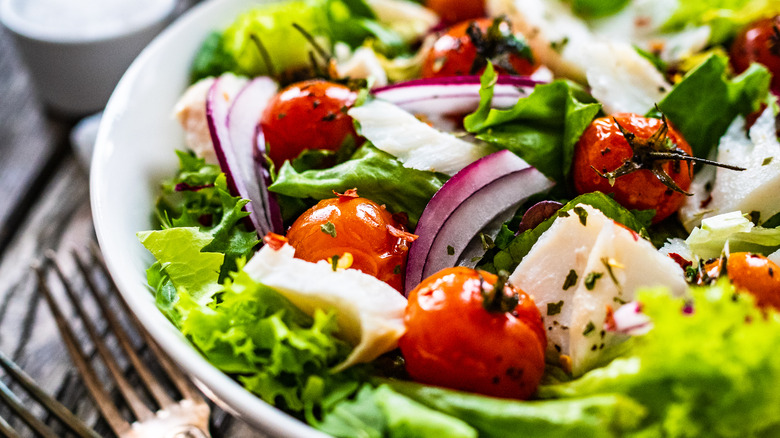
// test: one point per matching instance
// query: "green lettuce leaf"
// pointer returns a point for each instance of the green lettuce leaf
(382, 412)
(202, 233)
(274, 349)
(703, 117)
(377, 176)
(593, 416)
(179, 253)
(272, 24)
(510, 254)
(541, 128)
(597, 8)
(329, 21)
(724, 17)
(212, 59)
(710, 371)
(709, 240)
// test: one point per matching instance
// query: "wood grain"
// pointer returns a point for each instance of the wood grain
(44, 204)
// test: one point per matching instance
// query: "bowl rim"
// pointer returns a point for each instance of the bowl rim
(215, 384)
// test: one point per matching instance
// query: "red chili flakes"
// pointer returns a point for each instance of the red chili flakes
(609, 321)
(275, 241)
(401, 234)
(680, 260)
(351, 193)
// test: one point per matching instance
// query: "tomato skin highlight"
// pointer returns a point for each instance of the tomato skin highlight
(360, 227)
(453, 342)
(307, 115)
(604, 147)
(758, 42)
(752, 273)
(454, 53)
(454, 11)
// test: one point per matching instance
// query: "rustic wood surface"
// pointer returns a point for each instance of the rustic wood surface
(44, 204)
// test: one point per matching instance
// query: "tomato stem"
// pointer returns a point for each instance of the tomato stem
(496, 45)
(495, 298)
(651, 153)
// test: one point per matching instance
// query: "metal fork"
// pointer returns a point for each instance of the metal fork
(186, 418)
(51, 405)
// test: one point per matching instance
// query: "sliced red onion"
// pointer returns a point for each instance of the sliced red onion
(232, 126)
(538, 213)
(469, 201)
(453, 95)
(628, 319)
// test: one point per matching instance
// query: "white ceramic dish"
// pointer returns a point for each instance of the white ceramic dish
(76, 59)
(134, 152)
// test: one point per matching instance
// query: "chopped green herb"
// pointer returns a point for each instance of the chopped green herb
(554, 308)
(450, 250)
(589, 328)
(571, 280)
(619, 300)
(329, 229)
(558, 46)
(487, 241)
(334, 262)
(767, 160)
(582, 213)
(562, 213)
(590, 279)
(397, 269)
(476, 259)
(605, 262)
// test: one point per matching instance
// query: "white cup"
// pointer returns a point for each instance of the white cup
(77, 50)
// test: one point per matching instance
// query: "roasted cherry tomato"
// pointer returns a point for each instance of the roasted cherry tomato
(460, 52)
(759, 42)
(307, 115)
(454, 11)
(464, 331)
(360, 233)
(623, 155)
(752, 273)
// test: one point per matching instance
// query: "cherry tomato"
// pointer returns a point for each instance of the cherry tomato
(453, 11)
(759, 42)
(603, 148)
(454, 53)
(376, 242)
(752, 273)
(453, 340)
(307, 115)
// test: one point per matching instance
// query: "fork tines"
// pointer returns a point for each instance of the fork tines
(196, 408)
(49, 403)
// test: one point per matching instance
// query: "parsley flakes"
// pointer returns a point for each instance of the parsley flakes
(329, 229)
(590, 279)
(571, 280)
(554, 308)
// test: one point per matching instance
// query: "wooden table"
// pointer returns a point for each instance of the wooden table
(44, 204)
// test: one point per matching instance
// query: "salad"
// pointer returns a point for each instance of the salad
(502, 219)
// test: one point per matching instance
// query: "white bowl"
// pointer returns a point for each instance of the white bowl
(134, 153)
(76, 59)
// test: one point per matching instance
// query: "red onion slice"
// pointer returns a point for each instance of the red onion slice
(453, 95)
(466, 203)
(232, 126)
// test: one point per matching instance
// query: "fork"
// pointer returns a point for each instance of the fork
(186, 418)
(51, 405)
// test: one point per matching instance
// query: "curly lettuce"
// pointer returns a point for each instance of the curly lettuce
(707, 368)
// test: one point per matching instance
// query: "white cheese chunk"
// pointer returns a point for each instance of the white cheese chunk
(611, 264)
(748, 191)
(414, 143)
(369, 311)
